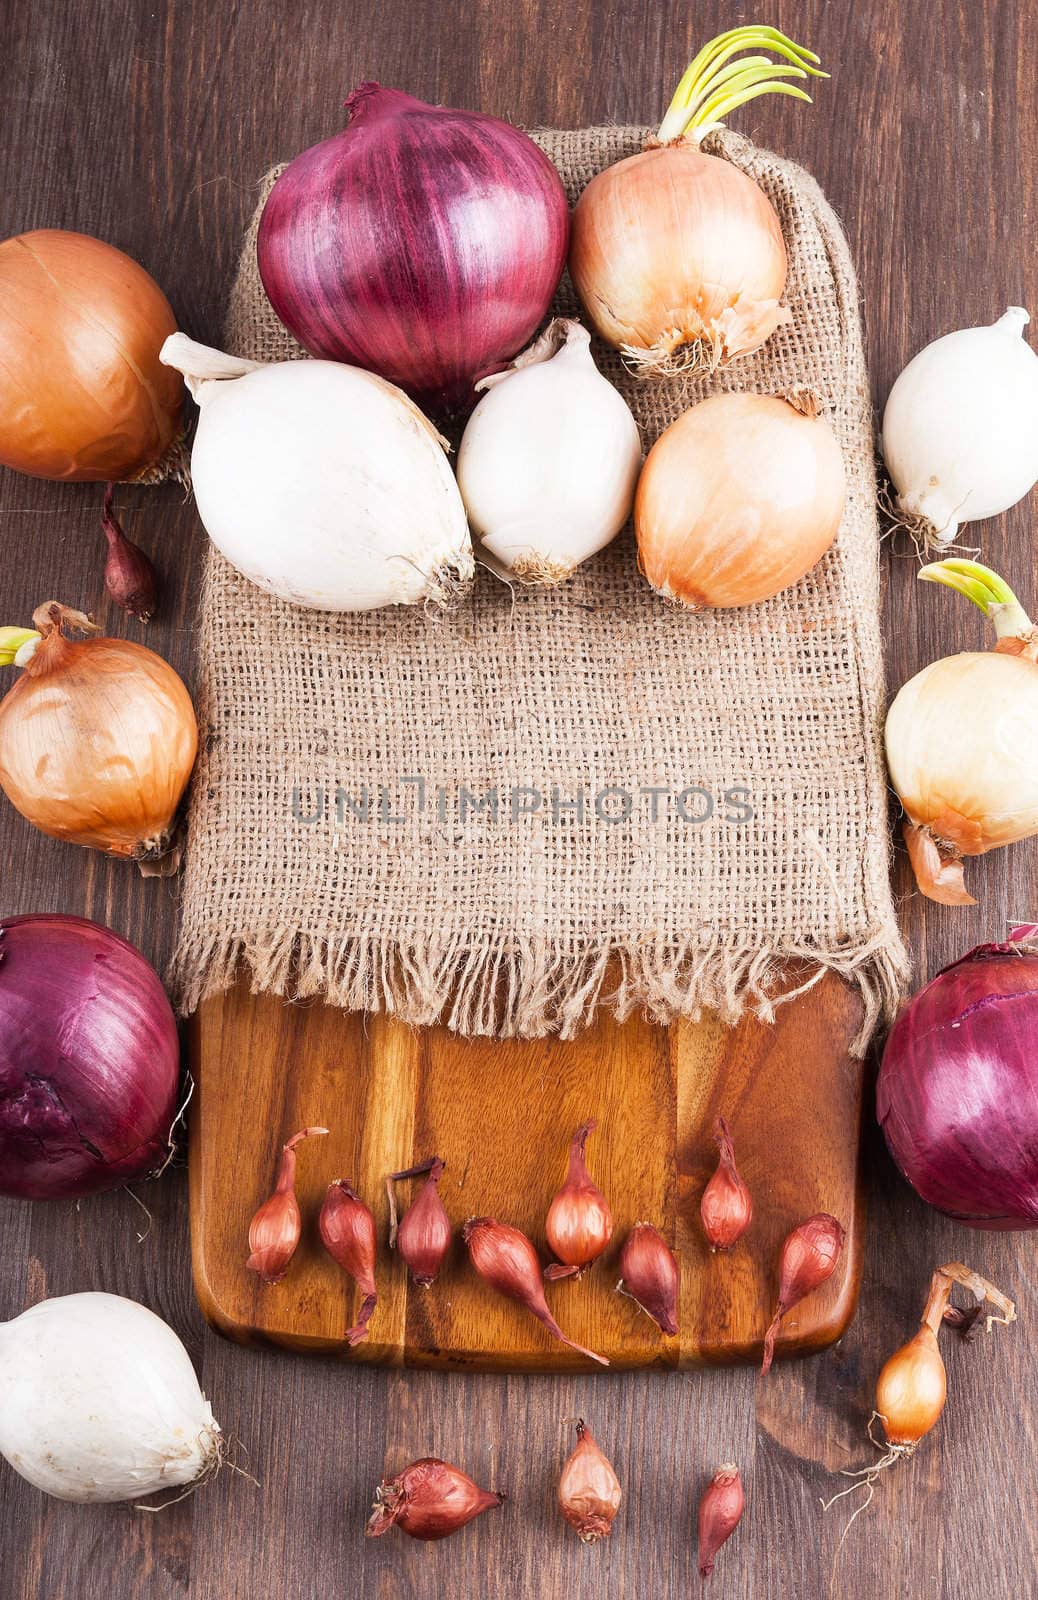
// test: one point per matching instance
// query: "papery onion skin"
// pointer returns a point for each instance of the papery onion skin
(738, 499)
(97, 742)
(84, 398)
(422, 243)
(673, 249)
(957, 1094)
(89, 1060)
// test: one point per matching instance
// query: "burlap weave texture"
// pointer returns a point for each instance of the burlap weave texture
(525, 921)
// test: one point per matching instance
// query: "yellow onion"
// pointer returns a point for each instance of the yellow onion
(738, 498)
(84, 397)
(961, 744)
(911, 1390)
(677, 255)
(97, 738)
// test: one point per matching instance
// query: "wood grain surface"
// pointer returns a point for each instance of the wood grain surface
(149, 124)
(500, 1114)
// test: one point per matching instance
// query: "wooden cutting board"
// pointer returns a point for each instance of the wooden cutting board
(500, 1114)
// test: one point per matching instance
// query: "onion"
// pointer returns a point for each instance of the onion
(89, 1062)
(961, 744)
(323, 484)
(957, 1096)
(99, 1401)
(739, 498)
(422, 243)
(84, 395)
(97, 738)
(549, 459)
(677, 255)
(960, 429)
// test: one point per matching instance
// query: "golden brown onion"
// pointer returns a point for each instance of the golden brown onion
(679, 259)
(738, 499)
(85, 397)
(97, 740)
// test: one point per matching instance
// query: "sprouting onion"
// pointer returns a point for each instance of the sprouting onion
(677, 255)
(961, 743)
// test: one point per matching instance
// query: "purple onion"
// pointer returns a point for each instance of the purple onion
(421, 243)
(89, 1060)
(957, 1096)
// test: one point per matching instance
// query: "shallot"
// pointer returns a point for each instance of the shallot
(424, 1236)
(720, 1512)
(807, 1260)
(589, 1492)
(347, 1229)
(579, 1224)
(276, 1227)
(430, 1499)
(649, 1275)
(549, 459)
(323, 484)
(726, 1207)
(508, 1261)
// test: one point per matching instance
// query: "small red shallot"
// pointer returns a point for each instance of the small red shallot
(579, 1223)
(347, 1228)
(430, 1499)
(720, 1512)
(808, 1257)
(649, 1275)
(508, 1261)
(129, 575)
(589, 1492)
(726, 1207)
(424, 1236)
(275, 1229)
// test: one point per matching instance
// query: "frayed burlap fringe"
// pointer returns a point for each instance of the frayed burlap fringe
(528, 929)
(528, 989)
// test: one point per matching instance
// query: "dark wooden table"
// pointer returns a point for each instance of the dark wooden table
(149, 124)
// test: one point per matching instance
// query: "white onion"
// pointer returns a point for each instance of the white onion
(321, 483)
(99, 1401)
(549, 459)
(960, 429)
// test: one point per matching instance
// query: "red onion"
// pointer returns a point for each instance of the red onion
(421, 243)
(89, 1060)
(957, 1096)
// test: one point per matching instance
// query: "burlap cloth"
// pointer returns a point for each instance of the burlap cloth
(524, 923)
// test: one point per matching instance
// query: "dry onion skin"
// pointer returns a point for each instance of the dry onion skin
(961, 745)
(84, 398)
(739, 498)
(677, 255)
(97, 737)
